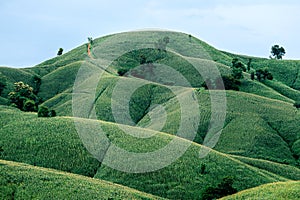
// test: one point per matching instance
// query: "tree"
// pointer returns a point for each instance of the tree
(45, 112)
(277, 52)
(22, 92)
(223, 189)
(190, 38)
(252, 75)
(2, 86)
(224, 82)
(37, 84)
(249, 64)
(237, 69)
(29, 106)
(258, 74)
(237, 73)
(60, 51)
(297, 104)
(263, 74)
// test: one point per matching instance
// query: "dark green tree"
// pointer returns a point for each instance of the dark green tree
(37, 84)
(222, 189)
(45, 112)
(237, 73)
(252, 75)
(297, 104)
(277, 52)
(249, 64)
(60, 51)
(29, 106)
(22, 92)
(2, 86)
(190, 38)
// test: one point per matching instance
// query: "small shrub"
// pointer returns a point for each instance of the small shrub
(297, 104)
(122, 71)
(29, 106)
(60, 51)
(223, 189)
(2, 86)
(45, 112)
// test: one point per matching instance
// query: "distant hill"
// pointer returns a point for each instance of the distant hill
(260, 140)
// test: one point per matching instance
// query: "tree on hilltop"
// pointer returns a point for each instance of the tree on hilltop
(277, 52)
(60, 51)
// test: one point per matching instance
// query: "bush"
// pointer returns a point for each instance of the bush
(297, 104)
(223, 189)
(2, 86)
(21, 94)
(29, 106)
(45, 112)
(229, 83)
(122, 71)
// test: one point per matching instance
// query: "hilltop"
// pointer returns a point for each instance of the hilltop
(260, 132)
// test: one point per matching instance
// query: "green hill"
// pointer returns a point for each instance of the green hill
(21, 181)
(26, 138)
(260, 140)
(285, 190)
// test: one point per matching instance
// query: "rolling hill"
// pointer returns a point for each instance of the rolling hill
(144, 99)
(285, 190)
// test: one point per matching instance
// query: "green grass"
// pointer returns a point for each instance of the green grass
(286, 190)
(260, 138)
(21, 181)
(26, 138)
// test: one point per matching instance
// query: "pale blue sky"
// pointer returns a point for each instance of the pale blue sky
(33, 30)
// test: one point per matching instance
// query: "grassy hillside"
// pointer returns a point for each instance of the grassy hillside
(259, 144)
(286, 190)
(21, 181)
(26, 138)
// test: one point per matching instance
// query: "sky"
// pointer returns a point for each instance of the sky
(32, 31)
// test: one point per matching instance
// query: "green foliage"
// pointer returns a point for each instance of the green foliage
(263, 74)
(227, 82)
(21, 94)
(297, 104)
(122, 71)
(60, 51)
(249, 64)
(252, 76)
(37, 84)
(2, 86)
(29, 106)
(277, 52)
(237, 69)
(45, 112)
(237, 73)
(222, 189)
